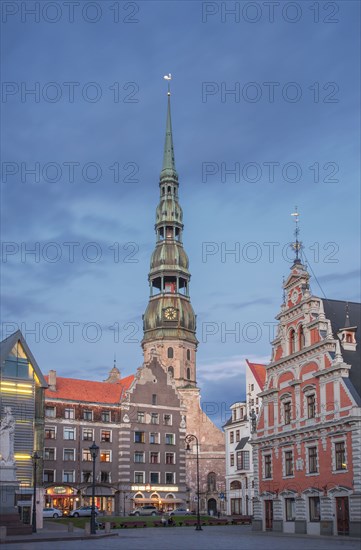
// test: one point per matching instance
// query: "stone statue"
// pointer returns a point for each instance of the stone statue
(7, 430)
(253, 418)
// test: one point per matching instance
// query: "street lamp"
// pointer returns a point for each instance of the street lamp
(94, 449)
(35, 457)
(188, 439)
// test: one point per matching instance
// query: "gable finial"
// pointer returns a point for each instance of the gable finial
(297, 245)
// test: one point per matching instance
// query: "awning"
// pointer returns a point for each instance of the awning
(156, 500)
(242, 443)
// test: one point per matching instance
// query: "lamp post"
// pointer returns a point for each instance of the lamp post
(188, 439)
(94, 449)
(35, 457)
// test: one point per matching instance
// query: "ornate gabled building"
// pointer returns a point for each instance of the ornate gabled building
(307, 449)
(170, 332)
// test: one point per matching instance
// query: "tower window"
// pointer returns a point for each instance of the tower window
(169, 189)
(292, 341)
(171, 371)
(170, 353)
(189, 373)
(301, 338)
(188, 354)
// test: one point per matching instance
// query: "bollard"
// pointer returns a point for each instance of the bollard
(87, 528)
(2, 532)
(107, 526)
(70, 527)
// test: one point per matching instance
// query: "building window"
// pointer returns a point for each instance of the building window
(49, 476)
(86, 476)
(88, 434)
(140, 417)
(169, 478)
(50, 412)
(86, 455)
(243, 460)
(167, 419)
(169, 458)
(69, 433)
(49, 453)
(154, 458)
(231, 437)
(231, 460)
(211, 481)
(312, 460)
(301, 338)
(105, 477)
(69, 454)
(139, 456)
(105, 435)
(154, 477)
(171, 371)
(106, 416)
(169, 439)
(50, 433)
(290, 509)
(311, 406)
(68, 476)
(138, 477)
(288, 463)
(154, 438)
(154, 419)
(188, 354)
(340, 456)
(292, 336)
(237, 435)
(154, 399)
(234, 415)
(139, 437)
(314, 503)
(105, 456)
(88, 415)
(188, 373)
(267, 466)
(170, 353)
(287, 412)
(69, 413)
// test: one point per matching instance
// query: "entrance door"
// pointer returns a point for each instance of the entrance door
(269, 514)
(212, 507)
(342, 515)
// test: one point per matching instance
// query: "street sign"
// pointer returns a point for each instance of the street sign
(221, 496)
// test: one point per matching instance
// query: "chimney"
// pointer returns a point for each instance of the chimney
(52, 380)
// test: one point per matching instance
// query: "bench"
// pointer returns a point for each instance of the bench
(218, 521)
(133, 524)
(242, 520)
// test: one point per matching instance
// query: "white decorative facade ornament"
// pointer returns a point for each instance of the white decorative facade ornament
(7, 431)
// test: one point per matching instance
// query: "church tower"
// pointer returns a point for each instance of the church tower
(169, 322)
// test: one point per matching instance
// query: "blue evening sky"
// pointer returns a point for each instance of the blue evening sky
(93, 134)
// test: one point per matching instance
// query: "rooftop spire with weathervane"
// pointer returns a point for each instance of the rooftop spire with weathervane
(168, 168)
(296, 245)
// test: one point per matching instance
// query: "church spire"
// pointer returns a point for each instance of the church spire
(168, 168)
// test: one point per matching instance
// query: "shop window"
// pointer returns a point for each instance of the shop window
(314, 505)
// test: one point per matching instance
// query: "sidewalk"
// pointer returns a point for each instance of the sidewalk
(53, 531)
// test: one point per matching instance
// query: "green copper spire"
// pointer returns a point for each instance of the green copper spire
(168, 168)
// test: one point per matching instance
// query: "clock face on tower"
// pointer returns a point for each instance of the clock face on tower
(170, 314)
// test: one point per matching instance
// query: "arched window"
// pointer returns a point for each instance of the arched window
(301, 338)
(211, 481)
(169, 188)
(170, 353)
(349, 338)
(292, 340)
(171, 371)
(163, 190)
(189, 373)
(235, 485)
(188, 354)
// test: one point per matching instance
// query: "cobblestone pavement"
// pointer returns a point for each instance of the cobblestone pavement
(211, 538)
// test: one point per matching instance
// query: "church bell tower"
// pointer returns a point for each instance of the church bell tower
(169, 322)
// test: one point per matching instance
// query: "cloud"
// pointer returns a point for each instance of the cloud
(225, 369)
(353, 274)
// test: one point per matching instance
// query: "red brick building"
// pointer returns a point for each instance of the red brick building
(307, 447)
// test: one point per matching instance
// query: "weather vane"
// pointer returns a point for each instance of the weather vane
(168, 77)
(297, 245)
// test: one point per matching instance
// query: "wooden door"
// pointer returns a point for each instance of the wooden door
(269, 514)
(342, 515)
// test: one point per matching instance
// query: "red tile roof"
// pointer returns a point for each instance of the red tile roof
(88, 391)
(259, 372)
